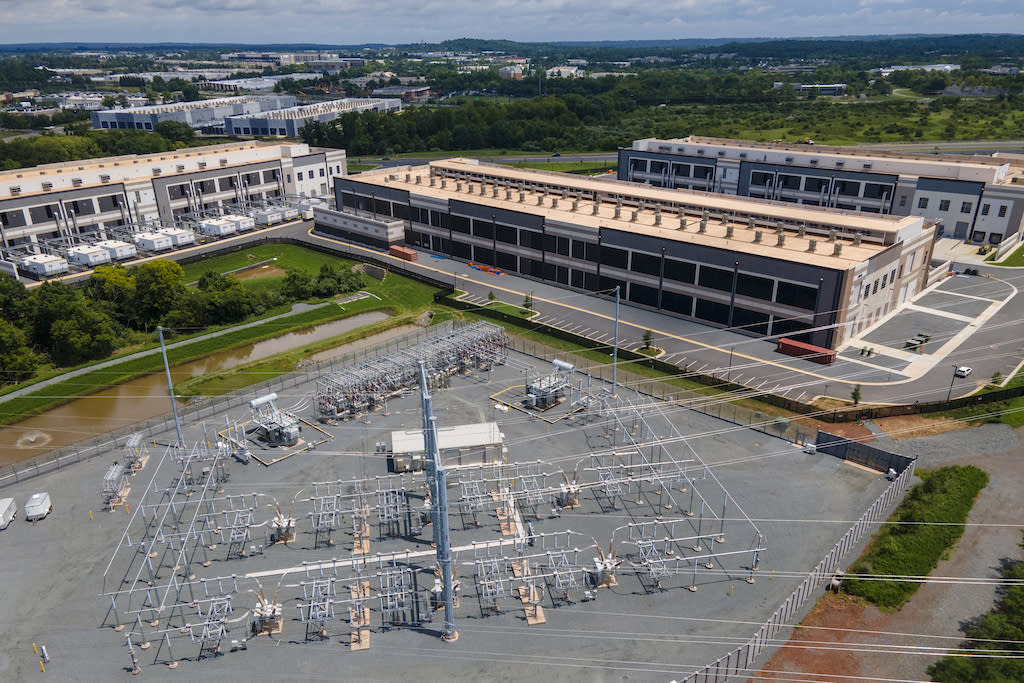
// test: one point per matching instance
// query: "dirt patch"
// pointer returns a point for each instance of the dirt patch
(841, 636)
(907, 426)
(848, 430)
(812, 647)
(260, 272)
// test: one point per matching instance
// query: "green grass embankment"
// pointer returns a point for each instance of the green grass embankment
(925, 526)
(90, 382)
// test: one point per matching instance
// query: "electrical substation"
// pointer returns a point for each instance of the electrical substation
(451, 509)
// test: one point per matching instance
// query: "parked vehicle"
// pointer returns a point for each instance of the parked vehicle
(8, 511)
(38, 506)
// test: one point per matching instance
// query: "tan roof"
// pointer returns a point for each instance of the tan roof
(127, 160)
(848, 152)
(795, 248)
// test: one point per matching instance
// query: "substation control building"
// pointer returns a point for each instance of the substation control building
(979, 199)
(99, 199)
(765, 268)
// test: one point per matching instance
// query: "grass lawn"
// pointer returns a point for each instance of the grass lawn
(359, 168)
(287, 255)
(577, 167)
(1014, 260)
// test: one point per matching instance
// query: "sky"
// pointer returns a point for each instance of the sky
(347, 22)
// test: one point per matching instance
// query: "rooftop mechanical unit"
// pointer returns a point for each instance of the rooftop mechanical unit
(275, 426)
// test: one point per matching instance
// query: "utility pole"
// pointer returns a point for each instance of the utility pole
(170, 388)
(437, 484)
(615, 347)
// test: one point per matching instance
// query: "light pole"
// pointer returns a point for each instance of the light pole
(951, 380)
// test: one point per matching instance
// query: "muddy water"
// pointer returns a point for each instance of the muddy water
(146, 397)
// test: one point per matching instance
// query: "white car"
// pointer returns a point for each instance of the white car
(963, 371)
(37, 506)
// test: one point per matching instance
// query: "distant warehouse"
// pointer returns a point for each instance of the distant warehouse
(978, 199)
(765, 268)
(206, 115)
(290, 121)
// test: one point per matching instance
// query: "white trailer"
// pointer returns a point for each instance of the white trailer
(152, 241)
(179, 236)
(289, 213)
(37, 506)
(118, 250)
(217, 227)
(44, 265)
(88, 255)
(8, 511)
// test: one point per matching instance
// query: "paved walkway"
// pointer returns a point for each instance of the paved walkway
(296, 308)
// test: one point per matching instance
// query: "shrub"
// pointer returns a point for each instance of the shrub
(941, 502)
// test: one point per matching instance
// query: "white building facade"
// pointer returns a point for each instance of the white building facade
(66, 200)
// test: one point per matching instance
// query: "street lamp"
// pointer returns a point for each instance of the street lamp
(951, 380)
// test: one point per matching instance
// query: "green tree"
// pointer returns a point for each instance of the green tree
(855, 395)
(17, 360)
(113, 289)
(648, 338)
(528, 301)
(175, 131)
(108, 102)
(13, 296)
(158, 285)
(491, 296)
(85, 335)
(297, 285)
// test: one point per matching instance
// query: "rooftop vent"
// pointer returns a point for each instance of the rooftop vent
(812, 245)
(837, 249)
(47, 187)
(758, 236)
(76, 182)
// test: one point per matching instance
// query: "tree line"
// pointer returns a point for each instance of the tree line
(62, 325)
(82, 142)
